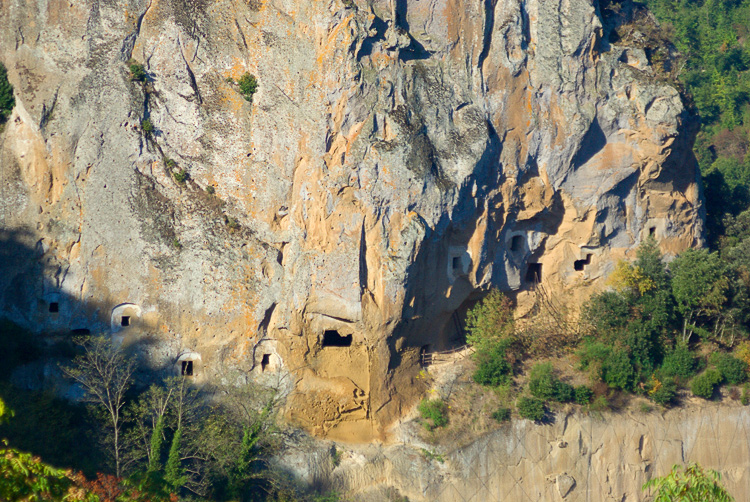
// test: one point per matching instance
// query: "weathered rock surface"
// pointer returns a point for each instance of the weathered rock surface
(608, 457)
(398, 159)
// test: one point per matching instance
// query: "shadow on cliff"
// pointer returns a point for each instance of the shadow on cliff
(29, 371)
(39, 325)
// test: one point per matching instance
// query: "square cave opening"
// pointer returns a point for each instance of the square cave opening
(265, 362)
(187, 368)
(579, 265)
(534, 272)
(54, 307)
(125, 321)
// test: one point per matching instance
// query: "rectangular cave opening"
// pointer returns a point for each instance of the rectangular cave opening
(652, 231)
(54, 307)
(331, 338)
(579, 265)
(125, 321)
(516, 243)
(80, 331)
(187, 368)
(534, 272)
(456, 262)
(265, 362)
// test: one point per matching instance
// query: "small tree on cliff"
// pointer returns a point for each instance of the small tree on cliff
(492, 334)
(105, 374)
(689, 483)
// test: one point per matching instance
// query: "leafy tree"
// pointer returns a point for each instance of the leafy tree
(105, 373)
(699, 286)
(688, 483)
(491, 331)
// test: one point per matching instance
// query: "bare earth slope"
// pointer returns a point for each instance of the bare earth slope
(398, 159)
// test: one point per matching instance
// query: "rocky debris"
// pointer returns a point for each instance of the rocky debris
(397, 160)
(565, 484)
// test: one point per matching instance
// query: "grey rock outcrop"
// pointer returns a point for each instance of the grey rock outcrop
(397, 160)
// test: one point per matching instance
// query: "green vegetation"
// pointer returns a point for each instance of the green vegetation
(501, 414)
(147, 127)
(546, 386)
(137, 71)
(713, 69)
(434, 413)
(688, 483)
(649, 333)
(491, 331)
(704, 384)
(180, 175)
(248, 86)
(7, 100)
(531, 408)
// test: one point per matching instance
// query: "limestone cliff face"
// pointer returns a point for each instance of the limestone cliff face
(580, 458)
(398, 159)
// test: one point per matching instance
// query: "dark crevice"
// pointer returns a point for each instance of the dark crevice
(489, 27)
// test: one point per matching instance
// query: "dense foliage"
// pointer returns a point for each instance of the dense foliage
(688, 483)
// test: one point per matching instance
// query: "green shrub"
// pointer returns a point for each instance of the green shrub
(545, 385)
(7, 100)
(600, 403)
(248, 86)
(703, 385)
(542, 382)
(147, 127)
(434, 412)
(493, 368)
(210, 190)
(137, 71)
(531, 408)
(501, 414)
(665, 392)
(583, 394)
(180, 175)
(745, 399)
(618, 371)
(732, 370)
(679, 363)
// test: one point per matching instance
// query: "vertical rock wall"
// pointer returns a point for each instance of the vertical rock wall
(398, 159)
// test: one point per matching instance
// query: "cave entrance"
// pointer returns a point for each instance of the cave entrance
(516, 243)
(534, 272)
(187, 368)
(652, 231)
(456, 262)
(265, 361)
(54, 307)
(125, 321)
(579, 265)
(331, 338)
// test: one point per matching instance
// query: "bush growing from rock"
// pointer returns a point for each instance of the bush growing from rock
(501, 414)
(434, 412)
(664, 391)
(583, 394)
(733, 370)
(704, 384)
(248, 86)
(545, 385)
(137, 71)
(531, 408)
